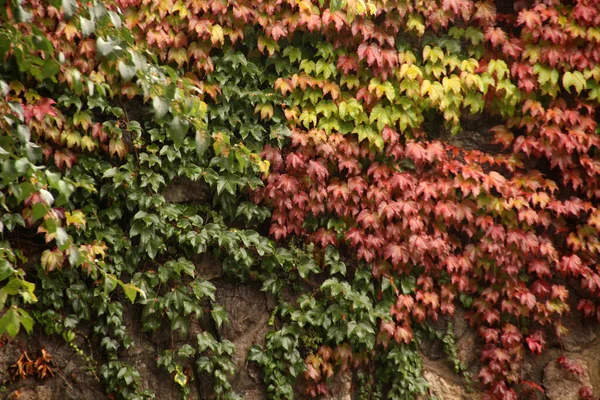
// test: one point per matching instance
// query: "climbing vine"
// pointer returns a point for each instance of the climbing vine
(374, 165)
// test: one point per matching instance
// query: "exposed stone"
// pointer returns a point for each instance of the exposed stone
(563, 385)
(184, 190)
(341, 387)
(248, 324)
(467, 347)
(460, 323)
(159, 381)
(9, 354)
(432, 349)
(207, 266)
(444, 384)
(71, 380)
(444, 389)
(438, 387)
(578, 339)
(580, 334)
(592, 357)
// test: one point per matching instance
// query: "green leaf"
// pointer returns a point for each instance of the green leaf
(6, 269)
(186, 351)
(178, 129)
(51, 68)
(202, 288)
(110, 283)
(10, 322)
(307, 265)
(219, 315)
(408, 284)
(39, 210)
(205, 341)
(545, 74)
(131, 291)
(26, 320)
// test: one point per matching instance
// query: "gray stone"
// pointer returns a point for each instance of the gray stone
(563, 385)
(248, 316)
(341, 387)
(467, 347)
(444, 384)
(184, 190)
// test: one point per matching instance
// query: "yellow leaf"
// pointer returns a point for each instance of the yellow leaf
(216, 35)
(76, 218)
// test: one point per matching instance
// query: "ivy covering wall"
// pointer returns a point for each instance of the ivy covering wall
(324, 135)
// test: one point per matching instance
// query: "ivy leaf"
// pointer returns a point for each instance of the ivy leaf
(10, 322)
(61, 237)
(87, 26)
(126, 71)
(408, 284)
(52, 259)
(104, 47)
(4, 88)
(575, 79)
(202, 288)
(131, 291)
(307, 265)
(219, 315)
(161, 107)
(178, 129)
(180, 378)
(26, 320)
(69, 7)
(110, 283)
(115, 19)
(6, 269)
(202, 142)
(205, 341)
(74, 256)
(22, 15)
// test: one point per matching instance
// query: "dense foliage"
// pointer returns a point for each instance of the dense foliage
(323, 132)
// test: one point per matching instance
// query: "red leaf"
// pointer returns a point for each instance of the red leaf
(355, 237)
(336, 17)
(530, 18)
(570, 265)
(347, 63)
(371, 52)
(571, 366)
(317, 170)
(403, 334)
(495, 35)
(486, 13)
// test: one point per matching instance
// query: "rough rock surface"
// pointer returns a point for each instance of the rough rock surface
(71, 381)
(248, 316)
(341, 387)
(444, 384)
(248, 311)
(183, 190)
(562, 385)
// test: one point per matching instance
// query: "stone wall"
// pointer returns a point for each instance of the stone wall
(249, 310)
